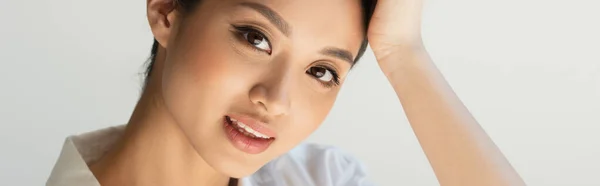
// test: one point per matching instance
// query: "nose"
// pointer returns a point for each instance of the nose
(273, 94)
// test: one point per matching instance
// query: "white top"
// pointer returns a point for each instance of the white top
(305, 165)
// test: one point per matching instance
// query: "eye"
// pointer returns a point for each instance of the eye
(324, 75)
(258, 40)
(255, 38)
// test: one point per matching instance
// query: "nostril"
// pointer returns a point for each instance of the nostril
(274, 99)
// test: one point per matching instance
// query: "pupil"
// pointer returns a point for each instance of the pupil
(254, 38)
(318, 72)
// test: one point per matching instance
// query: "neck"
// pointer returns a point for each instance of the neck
(154, 151)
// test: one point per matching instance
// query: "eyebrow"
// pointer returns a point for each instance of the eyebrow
(271, 15)
(339, 53)
(284, 27)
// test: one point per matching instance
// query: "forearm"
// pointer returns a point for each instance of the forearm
(459, 150)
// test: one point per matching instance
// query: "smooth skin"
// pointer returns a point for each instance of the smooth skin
(205, 70)
(459, 150)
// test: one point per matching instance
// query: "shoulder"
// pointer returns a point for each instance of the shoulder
(313, 164)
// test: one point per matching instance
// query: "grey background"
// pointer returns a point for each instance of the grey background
(529, 71)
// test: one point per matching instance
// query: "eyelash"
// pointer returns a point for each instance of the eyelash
(242, 30)
(246, 29)
(335, 79)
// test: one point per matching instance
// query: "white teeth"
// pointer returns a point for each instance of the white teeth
(244, 128)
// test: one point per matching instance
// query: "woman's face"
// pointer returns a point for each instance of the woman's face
(275, 66)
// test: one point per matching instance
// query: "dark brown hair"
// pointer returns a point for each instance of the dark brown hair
(188, 6)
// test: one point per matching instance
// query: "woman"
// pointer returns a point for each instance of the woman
(235, 85)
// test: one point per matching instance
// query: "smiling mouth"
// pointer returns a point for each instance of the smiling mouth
(246, 130)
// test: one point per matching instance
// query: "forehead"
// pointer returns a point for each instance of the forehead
(319, 23)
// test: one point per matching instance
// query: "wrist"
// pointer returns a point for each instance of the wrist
(399, 57)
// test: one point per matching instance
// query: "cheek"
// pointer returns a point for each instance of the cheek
(197, 79)
(309, 112)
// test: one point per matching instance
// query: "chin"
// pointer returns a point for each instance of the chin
(219, 153)
(234, 145)
(236, 170)
(227, 161)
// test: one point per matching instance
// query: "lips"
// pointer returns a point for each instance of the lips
(246, 129)
(248, 134)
